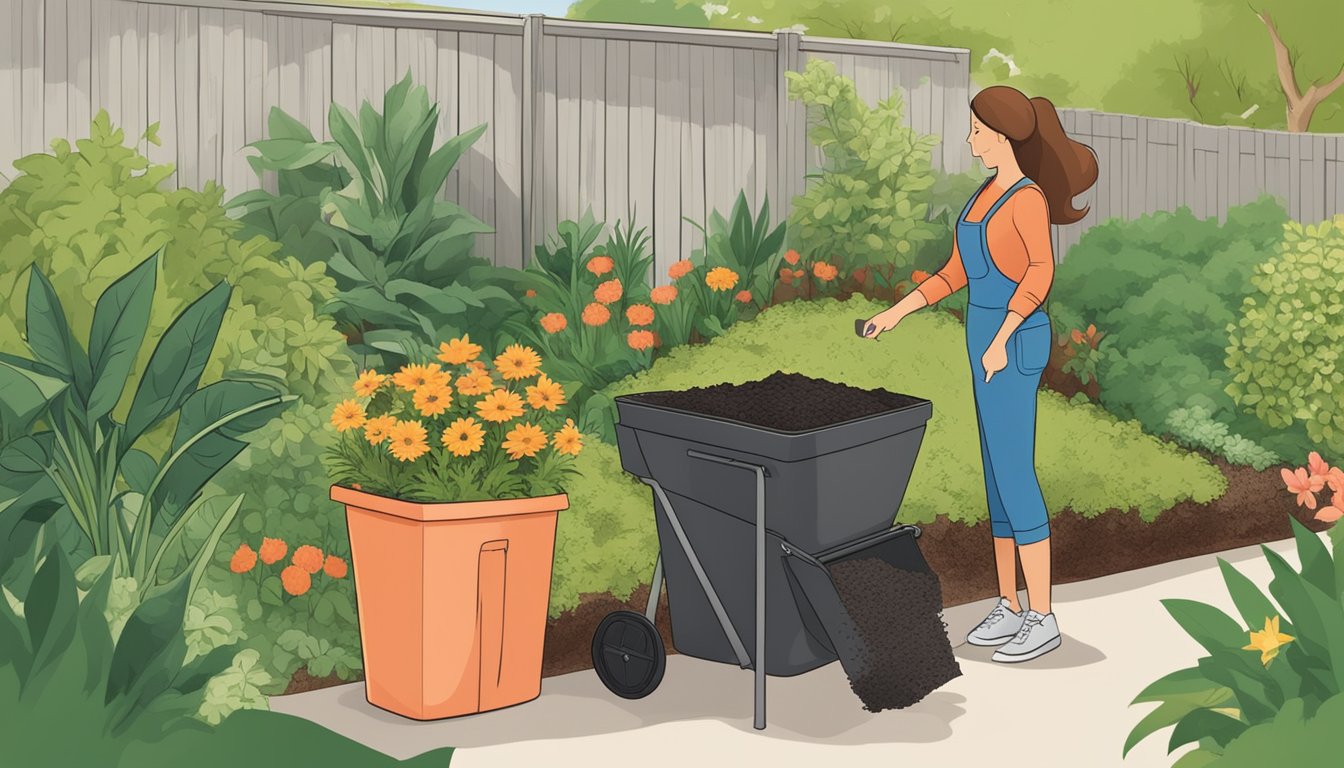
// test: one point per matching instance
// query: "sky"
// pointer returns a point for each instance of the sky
(548, 7)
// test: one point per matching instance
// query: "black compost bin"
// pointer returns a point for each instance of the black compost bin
(736, 543)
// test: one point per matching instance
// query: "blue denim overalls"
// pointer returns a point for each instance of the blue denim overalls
(1005, 407)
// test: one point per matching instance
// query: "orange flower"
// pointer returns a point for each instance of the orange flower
(546, 394)
(797, 273)
(309, 558)
(296, 580)
(272, 550)
(554, 322)
(243, 560)
(375, 429)
(432, 401)
(335, 567)
(919, 275)
(518, 362)
(463, 437)
(791, 257)
(596, 314)
(608, 292)
(824, 272)
(1335, 479)
(524, 440)
(600, 265)
(721, 279)
(459, 351)
(348, 414)
(569, 440)
(744, 297)
(639, 314)
(500, 406)
(786, 274)
(1304, 485)
(680, 269)
(368, 383)
(639, 340)
(530, 293)
(407, 440)
(663, 294)
(1316, 466)
(413, 377)
(1076, 335)
(477, 382)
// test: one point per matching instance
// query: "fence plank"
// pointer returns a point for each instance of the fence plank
(568, 127)
(508, 150)
(643, 112)
(447, 95)
(548, 125)
(617, 130)
(692, 95)
(55, 71)
(765, 134)
(670, 100)
(592, 127)
(161, 59)
(234, 172)
(477, 102)
(32, 45)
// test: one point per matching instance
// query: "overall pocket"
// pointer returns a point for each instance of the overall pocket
(1032, 348)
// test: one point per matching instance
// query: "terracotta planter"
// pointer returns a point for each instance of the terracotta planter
(452, 600)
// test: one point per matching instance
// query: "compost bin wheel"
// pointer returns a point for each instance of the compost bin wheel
(628, 654)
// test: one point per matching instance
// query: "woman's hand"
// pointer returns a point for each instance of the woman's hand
(883, 321)
(995, 358)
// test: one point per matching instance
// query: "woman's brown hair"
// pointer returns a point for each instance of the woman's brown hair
(1063, 168)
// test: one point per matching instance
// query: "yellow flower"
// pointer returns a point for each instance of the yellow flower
(518, 362)
(432, 401)
(463, 437)
(459, 351)
(721, 279)
(524, 440)
(348, 414)
(475, 383)
(407, 440)
(376, 429)
(1269, 641)
(500, 405)
(414, 377)
(569, 440)
(546, 394)
(368, 383)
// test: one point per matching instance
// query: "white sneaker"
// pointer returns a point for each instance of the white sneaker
(1038, 636)
(999, 627)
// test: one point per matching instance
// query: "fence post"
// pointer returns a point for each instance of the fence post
(790, 126)
(533, 30)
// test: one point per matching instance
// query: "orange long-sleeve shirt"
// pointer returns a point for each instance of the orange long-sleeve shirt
(1019, 244)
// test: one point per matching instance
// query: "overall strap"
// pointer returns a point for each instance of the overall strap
(974, 197)
(1022, 182)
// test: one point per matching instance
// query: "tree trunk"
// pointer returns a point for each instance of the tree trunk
(1299, 106)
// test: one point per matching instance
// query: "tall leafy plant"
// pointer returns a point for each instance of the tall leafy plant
(367, 203)
(65, 453)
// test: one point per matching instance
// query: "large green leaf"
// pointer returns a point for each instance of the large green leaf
(93, 627)
(1166, 714)
(1290, 590)
(51, 610)
(1208, 626)
(120, 320)
(1251, 603)
(1188, 682)
(1205, 723)
(290, 154)
(1318, 568)
(49, 334)
(178, 361)
(26, 395)
(441, 163)
(145, 649)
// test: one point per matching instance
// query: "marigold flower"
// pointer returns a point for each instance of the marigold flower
(524, 440)
(596, 314)
(500, 406)
(608, 292)
(463, 437)
(459, 351)
(600, 265)
(309, 558)
(744, 297)
(244, 559)
(347, 414)
(798, 273)
(368, 383)
(554, 322)
(272, 550)
(475, 383)
(824, 272)
(569, 440)
(375, 429)
(413, 377)
(680, 269)
(663, 294)
(518, 362)
(786, 275)
(295, 580)
(407, 440)
(721, 279)
(791, 257)
(335, 567)
(546, 394)
(639, 314)
(639, 340)
(432, 401)
(919, 275)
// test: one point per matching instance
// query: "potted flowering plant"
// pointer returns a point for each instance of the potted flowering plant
(451, 473)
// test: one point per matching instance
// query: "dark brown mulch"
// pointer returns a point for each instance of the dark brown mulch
(302, 681)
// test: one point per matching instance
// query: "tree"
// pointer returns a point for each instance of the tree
(1300, 106)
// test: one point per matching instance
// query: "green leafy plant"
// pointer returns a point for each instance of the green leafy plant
(1194, 427)
(130, 507)
(869, 206)
(745, 244)
(1290, 652)
(367, 204)
(1082, 353)
(1285, 349)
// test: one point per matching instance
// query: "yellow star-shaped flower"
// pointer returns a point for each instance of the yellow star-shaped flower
(1269, 641)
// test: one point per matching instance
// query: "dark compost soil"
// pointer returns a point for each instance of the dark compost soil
(788, 402)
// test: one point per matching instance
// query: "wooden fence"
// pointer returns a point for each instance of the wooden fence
(665, 122)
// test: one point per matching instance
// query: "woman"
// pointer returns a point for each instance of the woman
(1002, 255)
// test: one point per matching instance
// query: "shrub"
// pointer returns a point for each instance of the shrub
(1285, 349)
(1291, 738)
(1193, 428)
(744, 245)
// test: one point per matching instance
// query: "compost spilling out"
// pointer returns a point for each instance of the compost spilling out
(898, 651)
(788, 402)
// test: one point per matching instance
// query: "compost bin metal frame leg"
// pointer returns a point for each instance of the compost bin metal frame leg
(655, 589)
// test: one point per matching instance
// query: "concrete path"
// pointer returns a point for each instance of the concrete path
(1068, 709)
